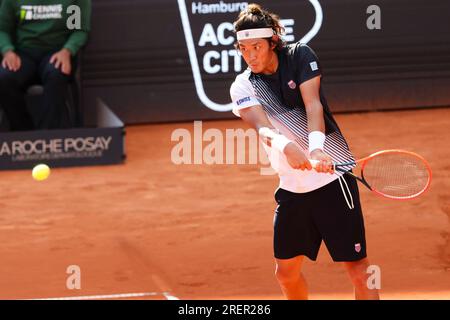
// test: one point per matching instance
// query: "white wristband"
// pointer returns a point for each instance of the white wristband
(316, 140)
(278, 141)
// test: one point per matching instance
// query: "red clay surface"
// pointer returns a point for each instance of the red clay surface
(205, 231)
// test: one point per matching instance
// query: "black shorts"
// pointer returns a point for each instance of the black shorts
(302, 220)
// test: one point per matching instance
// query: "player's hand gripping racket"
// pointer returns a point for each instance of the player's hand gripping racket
(395, 174)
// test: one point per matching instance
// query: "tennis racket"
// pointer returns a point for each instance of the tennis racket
(394, 174)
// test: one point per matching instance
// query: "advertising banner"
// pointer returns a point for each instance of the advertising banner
(63, 148)
(174, 60)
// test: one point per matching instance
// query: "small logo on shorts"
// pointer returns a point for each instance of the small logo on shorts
(358, 247)
(292, 84)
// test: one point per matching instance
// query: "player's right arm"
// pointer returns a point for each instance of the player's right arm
(248, 108)
(256, 118)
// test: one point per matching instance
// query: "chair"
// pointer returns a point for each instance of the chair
(4, 126)
(34, 97)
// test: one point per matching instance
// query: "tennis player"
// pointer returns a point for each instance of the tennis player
(280, 95)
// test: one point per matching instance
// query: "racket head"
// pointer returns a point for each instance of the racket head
(396, 174)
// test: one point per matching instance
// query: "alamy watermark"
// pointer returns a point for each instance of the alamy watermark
(214, 146)
(74, 20)
(374, 280)
(373, 22)
(73, 281)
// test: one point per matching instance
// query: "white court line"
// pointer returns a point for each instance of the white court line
(170, 296)
(163, 286)
(167, 295)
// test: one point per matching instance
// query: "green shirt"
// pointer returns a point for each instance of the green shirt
(44, 24)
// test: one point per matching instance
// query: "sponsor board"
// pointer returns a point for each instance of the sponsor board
(69, 147)
(208, 31)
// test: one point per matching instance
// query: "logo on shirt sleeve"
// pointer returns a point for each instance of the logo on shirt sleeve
(292, 84)
(314, 66)
(241, 101)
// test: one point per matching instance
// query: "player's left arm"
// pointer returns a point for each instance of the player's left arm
(314, 111)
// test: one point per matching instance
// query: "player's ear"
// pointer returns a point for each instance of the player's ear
(273, 42)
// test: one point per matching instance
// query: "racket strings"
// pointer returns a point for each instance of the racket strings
(398, 175)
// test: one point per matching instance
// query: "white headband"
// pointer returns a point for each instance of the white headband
(255, 33)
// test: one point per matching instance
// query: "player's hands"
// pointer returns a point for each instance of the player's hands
(296, 157)
(11, 61)
(61, 60)
(326, 163)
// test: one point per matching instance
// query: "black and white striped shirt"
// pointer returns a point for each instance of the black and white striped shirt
(280, 97)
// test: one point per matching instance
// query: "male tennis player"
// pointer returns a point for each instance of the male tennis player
(280, 95)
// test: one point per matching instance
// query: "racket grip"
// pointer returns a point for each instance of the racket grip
(314, 163)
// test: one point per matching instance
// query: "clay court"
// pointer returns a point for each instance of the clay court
(205, 231)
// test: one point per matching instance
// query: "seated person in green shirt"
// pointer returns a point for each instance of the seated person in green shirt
(39, 40)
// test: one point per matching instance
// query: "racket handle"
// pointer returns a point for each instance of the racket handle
(314, 163)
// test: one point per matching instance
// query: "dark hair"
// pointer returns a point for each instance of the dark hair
(254, 17)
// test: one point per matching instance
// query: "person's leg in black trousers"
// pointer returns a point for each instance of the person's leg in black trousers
(12, 93)
(54, 113)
